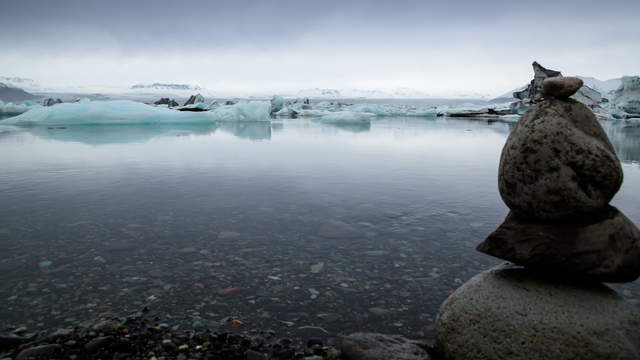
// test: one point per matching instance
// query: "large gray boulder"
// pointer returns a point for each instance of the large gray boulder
(604, 249)
(558, 163)
(513, 313)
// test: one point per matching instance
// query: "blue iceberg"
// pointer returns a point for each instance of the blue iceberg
(125, 112)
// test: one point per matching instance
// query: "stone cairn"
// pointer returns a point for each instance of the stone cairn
(558, 172)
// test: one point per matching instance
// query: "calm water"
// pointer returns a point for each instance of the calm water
(350, 228)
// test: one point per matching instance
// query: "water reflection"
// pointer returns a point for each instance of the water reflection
(625, 137)
(122, 134)
(393, 209)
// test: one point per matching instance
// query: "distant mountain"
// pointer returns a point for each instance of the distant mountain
(320, 93)
(20, 83)
(604, 87)
(398, 93)
(161, 86)
(13, 94)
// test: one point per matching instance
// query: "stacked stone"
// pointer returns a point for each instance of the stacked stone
(558, 173)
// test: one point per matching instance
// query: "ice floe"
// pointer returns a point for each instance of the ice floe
(129, 112)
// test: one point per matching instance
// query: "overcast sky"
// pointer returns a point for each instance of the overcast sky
(436, 46)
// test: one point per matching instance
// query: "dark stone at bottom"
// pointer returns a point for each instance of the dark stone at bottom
(604, 249)
(370, 346)
(193, 109)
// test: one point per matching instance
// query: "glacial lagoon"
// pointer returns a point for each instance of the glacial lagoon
(280, 224)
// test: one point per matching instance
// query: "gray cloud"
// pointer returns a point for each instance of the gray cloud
(339, 43)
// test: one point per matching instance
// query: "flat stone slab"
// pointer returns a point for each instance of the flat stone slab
(607, 249)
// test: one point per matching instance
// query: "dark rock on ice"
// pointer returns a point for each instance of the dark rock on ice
(603, 249)
(194, 99)
(51, 101)
(166, 101)
(193, 109)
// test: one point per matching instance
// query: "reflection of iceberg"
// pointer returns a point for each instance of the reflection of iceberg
(346, 117)
(625, 138)
(118, 134)
(248, 130)
(121, 134)
(351, 127)
(121, 112)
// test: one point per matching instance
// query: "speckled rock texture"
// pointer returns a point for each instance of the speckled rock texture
(558, 163)
(371, 346)
(514, 313)
(561, 87)
(605, 249)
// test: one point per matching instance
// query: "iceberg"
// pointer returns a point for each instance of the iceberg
(277, 103)
(626, 99)
(393, 110)
(11, 109)
(125, 112)
(346, 117)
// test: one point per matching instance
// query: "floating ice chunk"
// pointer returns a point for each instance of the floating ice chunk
(129, 112)
(12, 109)
(393, 110)
(277, 103)
(200, 105)
(286, 112)
(626, 99)
(82, 100)
(510, 118)
(312, 113)
(244, 111)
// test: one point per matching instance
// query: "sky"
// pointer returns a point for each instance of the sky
(439, 47)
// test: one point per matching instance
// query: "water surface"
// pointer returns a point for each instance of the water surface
(354, 227)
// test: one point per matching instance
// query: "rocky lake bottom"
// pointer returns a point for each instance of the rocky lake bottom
(280, 226)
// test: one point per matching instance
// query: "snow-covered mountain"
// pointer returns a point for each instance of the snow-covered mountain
(164, 86)
(398, 93)
(14, 94)
(604, 87)
(20, 83)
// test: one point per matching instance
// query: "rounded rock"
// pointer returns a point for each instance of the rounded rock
(515, 313)
(561, 87)
(558, 163)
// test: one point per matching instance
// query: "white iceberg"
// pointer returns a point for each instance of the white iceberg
(393, 110)
(12, 109)
(277, 103)
(346, 117)
(626, 99)
(125, 112)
